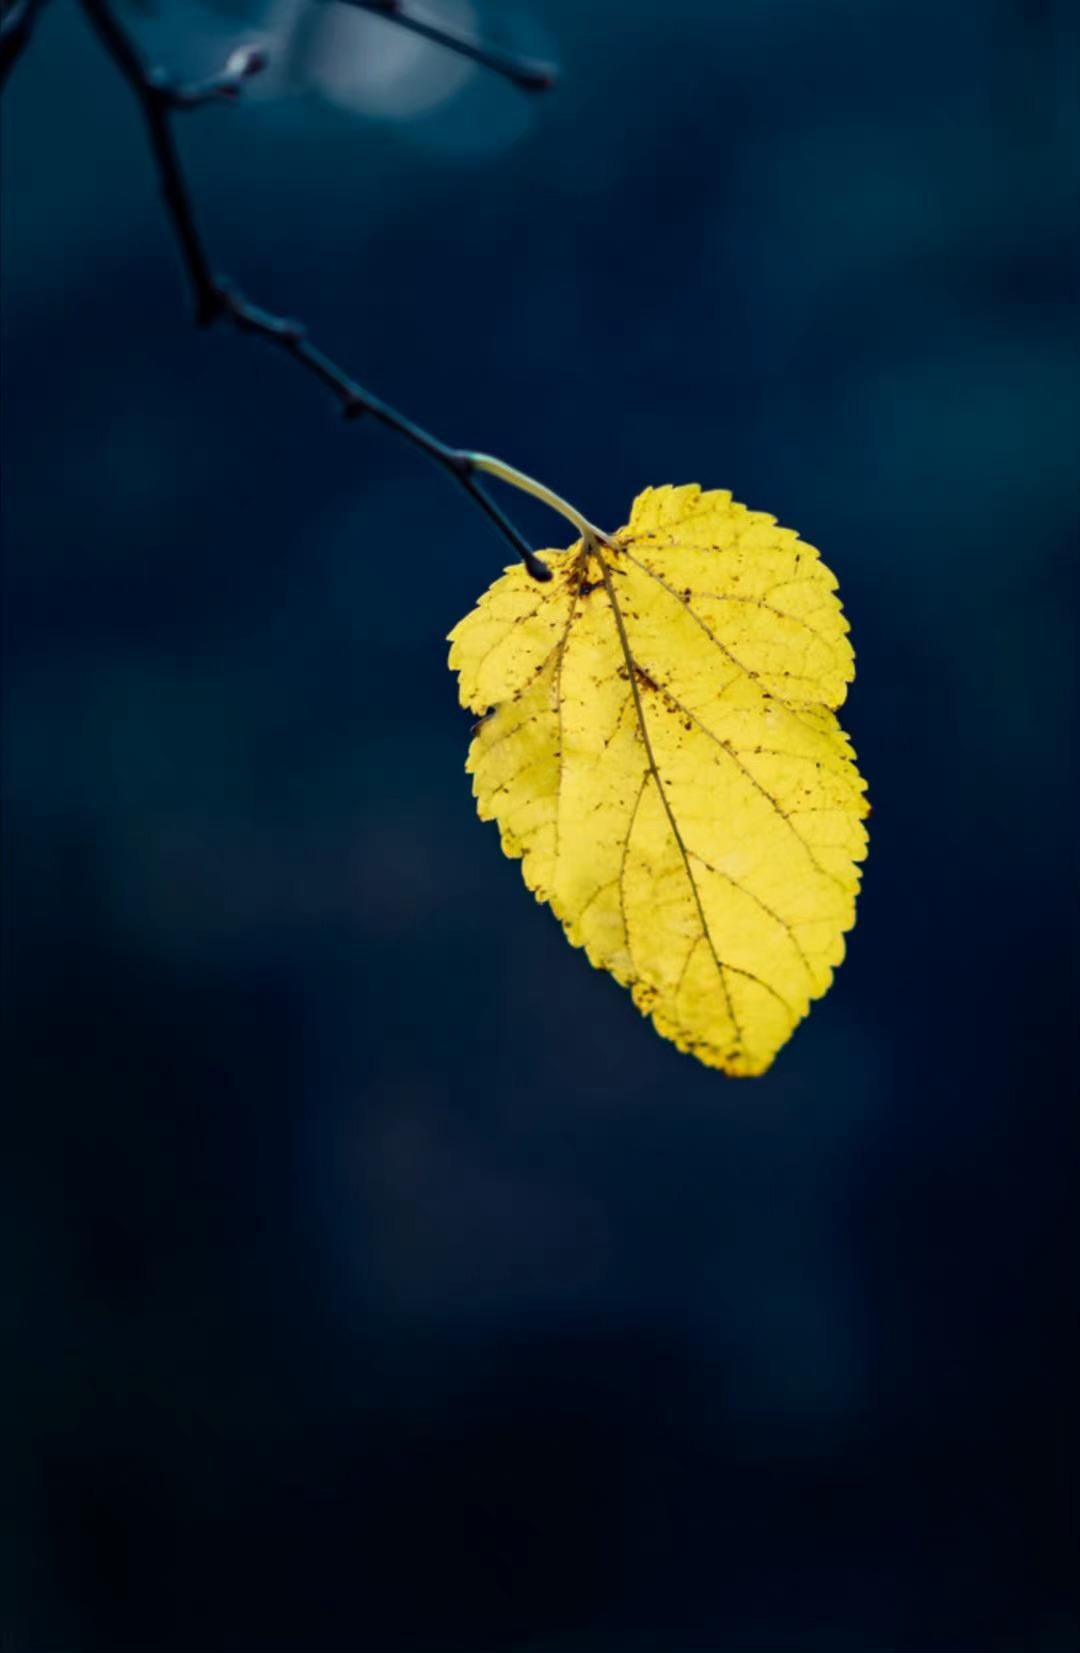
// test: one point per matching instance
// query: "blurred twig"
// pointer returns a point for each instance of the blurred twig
(524, 72)
(16, 26)
(160, 99)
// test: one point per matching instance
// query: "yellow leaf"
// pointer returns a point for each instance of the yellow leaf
(663, 753)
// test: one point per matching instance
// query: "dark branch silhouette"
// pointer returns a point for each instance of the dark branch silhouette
(215, 298)
(16, 26)
(524, 72)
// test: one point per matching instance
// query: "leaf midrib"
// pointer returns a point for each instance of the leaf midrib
(624, 644)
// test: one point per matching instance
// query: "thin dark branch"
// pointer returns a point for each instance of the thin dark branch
(16, 27)
(215, 298)
(523, 72)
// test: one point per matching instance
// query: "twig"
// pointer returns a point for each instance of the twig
(242, 64)
(16, 26)
(215, 298)
(523, 72)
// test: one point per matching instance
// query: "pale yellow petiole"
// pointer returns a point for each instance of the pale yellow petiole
(547, 496)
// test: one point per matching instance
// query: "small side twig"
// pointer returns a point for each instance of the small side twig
(216, 298)
(242, 64)
(522, 72)
(16, 26)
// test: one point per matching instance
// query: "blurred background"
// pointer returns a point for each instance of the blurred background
(381, 1280)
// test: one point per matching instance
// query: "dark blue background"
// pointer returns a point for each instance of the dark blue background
(385, 1282)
